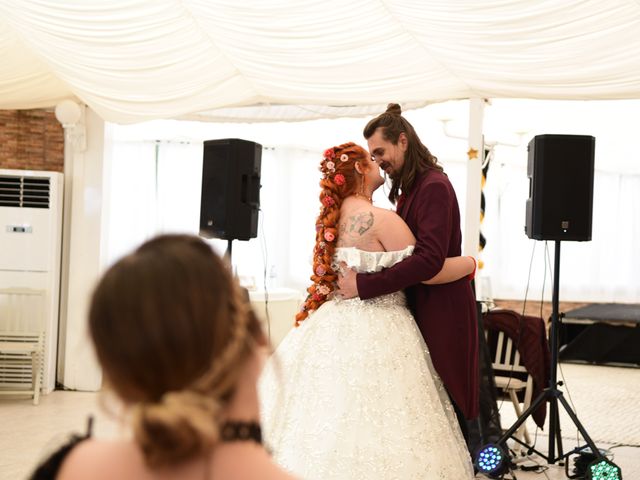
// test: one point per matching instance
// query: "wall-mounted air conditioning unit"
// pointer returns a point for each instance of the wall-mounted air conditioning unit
(30, 250)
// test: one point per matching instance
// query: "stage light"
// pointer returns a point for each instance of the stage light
(603, 469)
(491, 460)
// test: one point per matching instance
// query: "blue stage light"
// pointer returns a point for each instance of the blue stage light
(491, 460)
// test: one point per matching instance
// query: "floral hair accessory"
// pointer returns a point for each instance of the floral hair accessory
(329, 154)
(323, 290)
(320, 270)
(316, 296)
(331, 166)
(344, 157)
(329, 237)
(339, 179)
(327, 201)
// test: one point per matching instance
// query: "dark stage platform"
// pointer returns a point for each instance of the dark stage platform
(602, 333)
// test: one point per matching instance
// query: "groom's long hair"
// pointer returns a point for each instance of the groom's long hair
(417, 159)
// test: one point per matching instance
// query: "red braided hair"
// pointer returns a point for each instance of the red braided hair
(339, 180)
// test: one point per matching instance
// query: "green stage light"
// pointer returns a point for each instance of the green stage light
(603, 469)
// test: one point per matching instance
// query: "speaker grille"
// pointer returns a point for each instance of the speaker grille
(230, 199)
(560, 171)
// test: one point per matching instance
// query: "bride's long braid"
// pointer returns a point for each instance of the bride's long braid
(339, 180)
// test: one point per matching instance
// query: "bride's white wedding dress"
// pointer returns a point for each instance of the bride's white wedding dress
(352, 394)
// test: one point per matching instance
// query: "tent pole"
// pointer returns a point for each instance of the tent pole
(474, 177)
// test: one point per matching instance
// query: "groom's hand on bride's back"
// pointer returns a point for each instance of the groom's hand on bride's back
(347, 286)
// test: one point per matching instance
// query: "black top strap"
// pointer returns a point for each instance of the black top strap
(49, 468)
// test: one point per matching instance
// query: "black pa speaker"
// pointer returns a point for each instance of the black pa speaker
(560, 171)
(230, 189)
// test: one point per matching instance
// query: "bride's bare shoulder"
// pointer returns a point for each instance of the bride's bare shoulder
(393, 233)
(387, 217)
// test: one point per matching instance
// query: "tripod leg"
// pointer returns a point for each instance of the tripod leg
(558, 433)
(577, 423)
(554, 430)
(541, 398)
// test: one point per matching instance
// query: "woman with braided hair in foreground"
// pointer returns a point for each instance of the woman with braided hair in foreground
(180, 347)
(351, 393)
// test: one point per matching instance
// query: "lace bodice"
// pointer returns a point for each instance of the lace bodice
(365, 262)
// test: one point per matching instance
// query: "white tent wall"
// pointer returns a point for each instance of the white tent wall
(134, 181)
(255, 60)
(600, 270)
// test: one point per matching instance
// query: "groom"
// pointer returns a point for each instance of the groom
(445, 314)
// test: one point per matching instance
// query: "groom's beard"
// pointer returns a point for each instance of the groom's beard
(388, 179)
(393, 176)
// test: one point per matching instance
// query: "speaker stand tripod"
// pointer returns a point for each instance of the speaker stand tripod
(552, 394)
(227, 253)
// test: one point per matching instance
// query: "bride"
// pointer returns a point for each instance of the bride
(352, 393)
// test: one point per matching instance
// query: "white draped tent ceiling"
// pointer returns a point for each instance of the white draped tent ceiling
(222, 60)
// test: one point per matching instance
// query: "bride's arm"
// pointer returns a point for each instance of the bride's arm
(454, 268)
(394, 234)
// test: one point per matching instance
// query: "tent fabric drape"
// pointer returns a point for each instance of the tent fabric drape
(133, 60)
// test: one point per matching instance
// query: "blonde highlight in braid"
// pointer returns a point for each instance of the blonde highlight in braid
(340, 179)
(220, 378)
(172, 331)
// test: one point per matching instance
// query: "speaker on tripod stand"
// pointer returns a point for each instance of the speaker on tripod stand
(560, 206)
(230, 196)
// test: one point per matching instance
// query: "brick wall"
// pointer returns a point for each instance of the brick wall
(31, 140)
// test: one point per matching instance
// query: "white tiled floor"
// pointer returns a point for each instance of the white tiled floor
(606, 400)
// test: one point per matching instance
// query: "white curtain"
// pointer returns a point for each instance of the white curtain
(155, 188)
(601, 270)
(132, 209)
(158, 187)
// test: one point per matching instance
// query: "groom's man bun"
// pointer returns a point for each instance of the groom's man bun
(394, 109)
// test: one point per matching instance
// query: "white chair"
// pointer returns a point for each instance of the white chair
(511, 376)
(21, 342)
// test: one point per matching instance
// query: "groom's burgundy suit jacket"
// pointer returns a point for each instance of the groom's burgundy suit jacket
(445, 314)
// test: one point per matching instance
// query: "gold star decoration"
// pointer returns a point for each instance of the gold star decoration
(472, 153)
